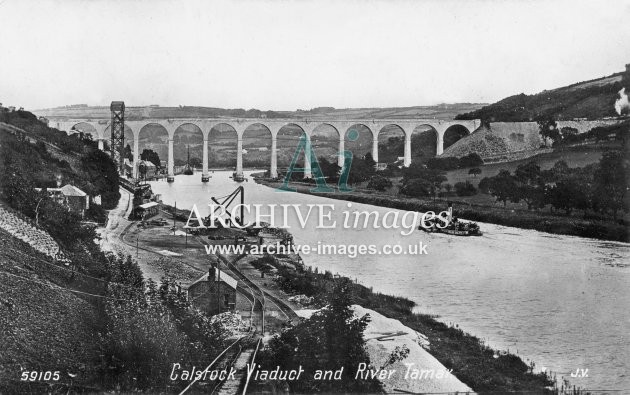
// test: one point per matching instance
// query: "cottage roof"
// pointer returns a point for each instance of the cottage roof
(71, 190)
(218, 273)
(148, 205)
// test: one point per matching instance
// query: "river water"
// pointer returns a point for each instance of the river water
(560, 301)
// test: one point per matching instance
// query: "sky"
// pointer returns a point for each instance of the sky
(287, 55)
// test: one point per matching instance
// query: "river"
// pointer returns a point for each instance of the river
(560, 301)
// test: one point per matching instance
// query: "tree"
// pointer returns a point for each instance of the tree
(568, 134)
(560, 170)
(16, 189)
(418, 170)
(447, 163)
(484, 184)
(416, 187)
(379, 183)
(362, 169)
(567, 195)
(548, 129)
(502, 187)
(196, 162)
(64, 225)
(151, 156)
(419, 180)
(139, 342)
(448, 188)
(369, 160)
(127, 153)
(611, 182)
(528, 173)
(332, 338)
(471, 160)
(530, 187)
(102, 174)
(124, 270)
(475, 171)
(465, 189)
(330, 169)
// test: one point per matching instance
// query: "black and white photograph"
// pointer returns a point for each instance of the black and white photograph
(315, 197)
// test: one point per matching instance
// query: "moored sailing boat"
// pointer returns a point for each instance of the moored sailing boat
(188, 170)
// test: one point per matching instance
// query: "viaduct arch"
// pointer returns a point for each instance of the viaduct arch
(273, 125)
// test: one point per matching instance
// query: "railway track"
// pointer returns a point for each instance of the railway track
(270, 299)
(228, 363)
(224, 361)
(259, 300)
(257, 294)
(229, 357)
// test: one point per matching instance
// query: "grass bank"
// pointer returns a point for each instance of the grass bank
(472, 361)
(536, 220)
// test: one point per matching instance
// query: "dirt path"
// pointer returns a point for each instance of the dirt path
(116, 224)
(117, 237)
(161, 252)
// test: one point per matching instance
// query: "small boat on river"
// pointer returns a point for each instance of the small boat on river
(455, 227)
(238, 177)
(188, 169)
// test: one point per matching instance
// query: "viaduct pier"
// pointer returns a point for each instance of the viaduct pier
(273, 126)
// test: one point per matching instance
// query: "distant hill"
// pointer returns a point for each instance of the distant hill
(594, 99)
(439, 111)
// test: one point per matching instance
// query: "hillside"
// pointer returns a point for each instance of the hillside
(440, 111)
(592, 99)
(43, 327)
(579, 156)
(65, 305)
(39, 157)
(47, 251)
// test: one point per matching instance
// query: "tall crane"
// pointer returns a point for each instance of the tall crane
(228, 199)
(117, 145)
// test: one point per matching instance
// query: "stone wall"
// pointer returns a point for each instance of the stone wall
(500, 138)
(513, 139)
(585, 126)
(203, 296)
(39, 239)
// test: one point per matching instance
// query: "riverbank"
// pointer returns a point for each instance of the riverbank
(472, 361)
(543, 222)
(418, 372)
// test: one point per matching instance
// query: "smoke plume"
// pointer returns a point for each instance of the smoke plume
(621, 105)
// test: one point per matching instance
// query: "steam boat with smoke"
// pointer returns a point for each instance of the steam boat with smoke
(455, 226)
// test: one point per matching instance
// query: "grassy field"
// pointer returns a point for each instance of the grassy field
(483, 208)
(574, 157)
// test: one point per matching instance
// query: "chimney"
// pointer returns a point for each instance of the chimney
(212, 273)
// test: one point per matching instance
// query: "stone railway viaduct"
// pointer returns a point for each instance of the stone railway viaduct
(375, 126)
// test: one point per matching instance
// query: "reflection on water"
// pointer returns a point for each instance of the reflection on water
(561, 301)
